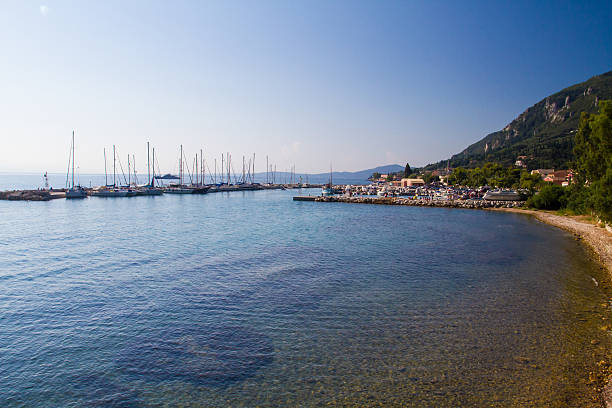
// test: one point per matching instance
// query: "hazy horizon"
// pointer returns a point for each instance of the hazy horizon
(357, 84)
(140, 172)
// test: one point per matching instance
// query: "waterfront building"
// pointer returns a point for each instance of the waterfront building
(412, 182)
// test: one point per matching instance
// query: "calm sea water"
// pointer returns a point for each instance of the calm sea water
(251, 299)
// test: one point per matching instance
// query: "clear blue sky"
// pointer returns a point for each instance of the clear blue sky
(356, 83)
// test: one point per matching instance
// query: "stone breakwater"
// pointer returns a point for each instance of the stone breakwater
(26, 195)
(473, 204)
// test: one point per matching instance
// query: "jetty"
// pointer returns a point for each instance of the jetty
(31, 195)
(456, 203)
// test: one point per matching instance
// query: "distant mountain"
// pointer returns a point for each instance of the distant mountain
(340, 177)
(543, 133)
(343, 177)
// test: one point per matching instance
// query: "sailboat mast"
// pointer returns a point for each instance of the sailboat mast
(129, 172)
(148, 166)
(73, 159)
(202, 165)
(153, 179)
(114, 167)
(181, 167)
(105, 174)
(68, 169)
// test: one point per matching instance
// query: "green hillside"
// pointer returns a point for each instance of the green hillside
(543, 133)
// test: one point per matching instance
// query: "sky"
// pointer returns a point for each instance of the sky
(307, 83)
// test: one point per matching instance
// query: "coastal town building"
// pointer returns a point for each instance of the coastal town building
(412, 182)
(559, 177)
(562, 177)
(521, 161)
(382, 179)
(543, 172)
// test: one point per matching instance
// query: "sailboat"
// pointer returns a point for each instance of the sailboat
(149, 188)
(199, 187)
(74, 191)
(180, 189)
(328, 189)
(111, 190)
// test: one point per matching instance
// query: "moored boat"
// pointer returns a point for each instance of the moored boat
(328, 189)
(110, 192)
(74, 191)
(201, 189)
(178, 190)
(502, 195)
(149, 191)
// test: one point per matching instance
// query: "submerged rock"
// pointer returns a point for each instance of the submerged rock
(214, 356)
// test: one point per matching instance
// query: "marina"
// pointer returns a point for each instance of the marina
(158, 184)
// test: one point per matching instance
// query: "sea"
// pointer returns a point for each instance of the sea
(249, 299)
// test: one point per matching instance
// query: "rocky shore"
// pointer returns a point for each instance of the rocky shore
(472, 204)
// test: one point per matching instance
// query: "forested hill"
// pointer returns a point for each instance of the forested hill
(543, 133)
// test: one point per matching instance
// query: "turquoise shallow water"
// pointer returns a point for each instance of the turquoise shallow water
(249, 298)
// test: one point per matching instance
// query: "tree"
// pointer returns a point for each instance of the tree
(550, 197)
(477, 178)
(593, 165)
(375, 176)
(530, 181)
(428, 178)
(407, 171)
(458, 176)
